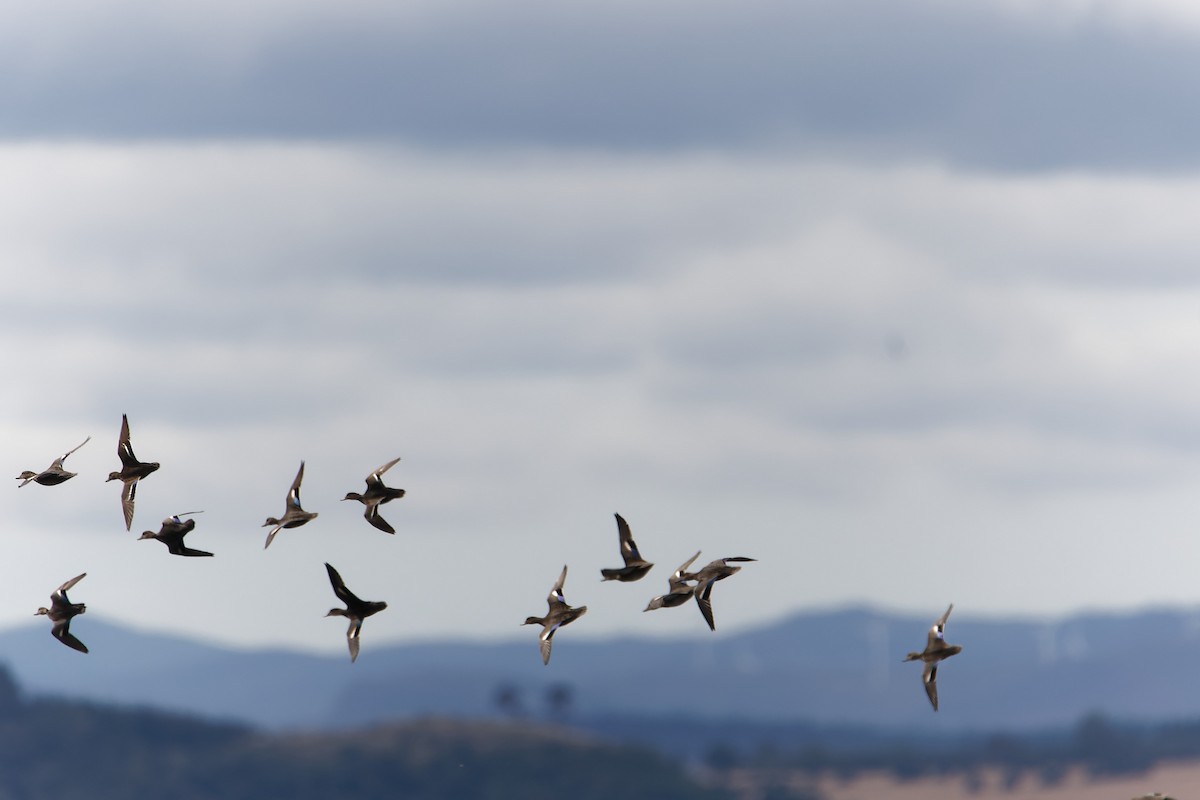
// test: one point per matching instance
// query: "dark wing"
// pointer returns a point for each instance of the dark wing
(545, 642)
(352, 635)
(178, 548)
(930, 677)
(704, 600)
(271, 536)
(58, 462)
(124, 448)
(339, 587)
(62, 632)
(629, 548)
(556, 592)
(941, 623)
(293, 498)
(935, 640)
(372, 516)
(375, 479)
(128, 496)
(62, 590)
(677, 580)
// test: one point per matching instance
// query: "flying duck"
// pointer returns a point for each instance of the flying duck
(680, 589)
(171, 534)
(293, 515)
(61, 611)
(54, 474)
(131, 472)
(635, 567)
(356, 610)
(376, 495)
(559, 614)
(935, 650)
(712, 572)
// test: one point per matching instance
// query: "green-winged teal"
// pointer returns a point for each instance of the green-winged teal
(61, 611)
(635, 567)
(706, 577)
(293, 515)
(935, 650)
(680, 591)
(173, 529)
(376, 495)
(559, 614)
(131, 472)
(356, 610)
(53, 474)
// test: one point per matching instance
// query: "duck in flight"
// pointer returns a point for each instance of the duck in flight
(559, 614)
(61, 611)
(707, 577)
(935, 650)
(173, 529)
(635, 567)
(53, 474)
(356, 610)
(376, 495)
(680, 590)
(293, 515)
(131, 472)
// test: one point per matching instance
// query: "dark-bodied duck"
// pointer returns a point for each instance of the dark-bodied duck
(293, 515)
(635, 567)
(173, 529)
(61, 611)
(681, 590)
(559, 614)
(53, 474)
(356, 610)
(131, 472)
(706, 578)
(376, 495)
(935, 650)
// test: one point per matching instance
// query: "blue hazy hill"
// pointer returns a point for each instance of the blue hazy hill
(842, 667)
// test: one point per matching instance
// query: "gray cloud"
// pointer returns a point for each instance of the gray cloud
(970, 84)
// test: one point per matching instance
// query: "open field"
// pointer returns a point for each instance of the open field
(1177, 780)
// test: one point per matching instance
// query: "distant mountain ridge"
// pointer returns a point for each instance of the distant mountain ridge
(835, 667)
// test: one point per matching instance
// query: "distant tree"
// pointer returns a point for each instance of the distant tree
(560, 699)
(10, 693)
(508, 700)
(722, 756)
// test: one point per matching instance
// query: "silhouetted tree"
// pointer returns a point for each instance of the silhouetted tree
(560, 698)
(508, 700)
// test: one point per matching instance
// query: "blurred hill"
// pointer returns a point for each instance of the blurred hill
(840, 667)
(56, 748)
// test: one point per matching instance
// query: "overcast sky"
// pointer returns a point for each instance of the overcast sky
(901, 299)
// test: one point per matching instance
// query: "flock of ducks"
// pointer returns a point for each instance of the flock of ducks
(176, 527)
(682, 585)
